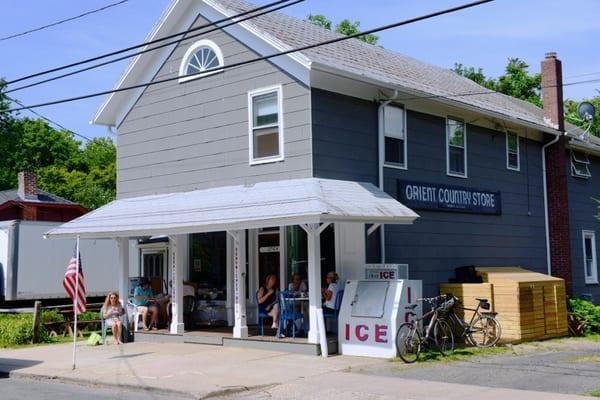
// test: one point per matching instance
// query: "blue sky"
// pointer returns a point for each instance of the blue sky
(483, 37)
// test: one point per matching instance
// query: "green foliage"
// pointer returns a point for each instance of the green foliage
(51, 316)
(345, 27)
(89, 316)
(516, 81)
(572, 116)
(320, 20)
(586, 311)
(17, 329)
(85, 174)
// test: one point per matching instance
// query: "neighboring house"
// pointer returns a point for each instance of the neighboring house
(30, 203)
(469, 163)
(32, 267)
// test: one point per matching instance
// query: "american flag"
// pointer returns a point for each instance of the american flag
(69, 282)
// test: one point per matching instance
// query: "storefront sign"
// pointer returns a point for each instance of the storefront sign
(269, 249)
(386, 271)
(436, 197)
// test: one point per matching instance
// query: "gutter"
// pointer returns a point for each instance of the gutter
(381, 153)
(546, 222)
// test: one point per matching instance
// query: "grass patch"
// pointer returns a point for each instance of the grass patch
(595, 393)
(459, 354)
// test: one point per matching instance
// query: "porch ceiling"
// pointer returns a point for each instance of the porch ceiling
(278, 203)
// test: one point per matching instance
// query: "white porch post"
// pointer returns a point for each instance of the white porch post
(313, 232)
(123, 269)
(240, 327)
(177, 258)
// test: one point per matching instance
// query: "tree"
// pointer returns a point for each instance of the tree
(518, 82)
(345, 27)
(573, 117)
(319, 20)
(85, 174)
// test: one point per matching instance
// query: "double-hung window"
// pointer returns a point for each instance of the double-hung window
(456, 149)
(394, 129)
(266, 125)
(589, 257)
(512, 151)
(580, 165)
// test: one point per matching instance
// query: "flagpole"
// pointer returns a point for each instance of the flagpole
(75, 308)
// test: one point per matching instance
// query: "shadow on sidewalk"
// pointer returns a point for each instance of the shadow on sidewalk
(7, 365)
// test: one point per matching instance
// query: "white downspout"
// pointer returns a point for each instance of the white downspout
(548, 260)
(381, 151)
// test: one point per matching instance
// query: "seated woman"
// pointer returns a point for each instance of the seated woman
(267, 299)
(112, 311)
(331, 292)
(145, 302)
(297, 284)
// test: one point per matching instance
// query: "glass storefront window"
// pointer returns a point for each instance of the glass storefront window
(208, 264)
(297, 253)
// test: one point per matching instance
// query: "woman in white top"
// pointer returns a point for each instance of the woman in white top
(331, 292)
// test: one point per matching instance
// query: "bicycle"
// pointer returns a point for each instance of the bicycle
(409, 338)
(483, 330)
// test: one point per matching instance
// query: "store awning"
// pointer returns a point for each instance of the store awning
(264, 204)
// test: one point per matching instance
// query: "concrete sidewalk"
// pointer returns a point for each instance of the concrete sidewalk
(199, 371)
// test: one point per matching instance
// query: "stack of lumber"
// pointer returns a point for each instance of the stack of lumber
(530, 305)
(468, 293)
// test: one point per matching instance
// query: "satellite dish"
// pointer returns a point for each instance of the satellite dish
(586, 111)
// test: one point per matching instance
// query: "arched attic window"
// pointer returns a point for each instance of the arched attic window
(203, 55)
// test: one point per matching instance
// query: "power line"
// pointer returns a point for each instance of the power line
(264, 58)
(63, 20)
(218, 27)
(116, 52)
(48, 119)
(582, 75)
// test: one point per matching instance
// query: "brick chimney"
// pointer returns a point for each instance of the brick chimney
(27, 185)
(556, 172)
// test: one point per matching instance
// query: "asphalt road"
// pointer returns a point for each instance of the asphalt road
(19, 389)
(572, 369)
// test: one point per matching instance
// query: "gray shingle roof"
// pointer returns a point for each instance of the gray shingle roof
(42, 196)
(357, 57)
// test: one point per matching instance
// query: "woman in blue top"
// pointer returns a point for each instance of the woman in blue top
(145, 302)
(267, 299)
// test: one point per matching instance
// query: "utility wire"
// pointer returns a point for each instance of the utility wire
(263, 58)
(48, 119)
(175, 42)
(63, 21)
(116, 52)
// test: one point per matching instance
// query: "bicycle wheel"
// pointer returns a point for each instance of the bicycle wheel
(408, 342)
(484, 331)
(443, 336)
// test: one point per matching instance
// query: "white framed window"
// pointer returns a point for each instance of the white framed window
(394, 129)
(456, 148)
(580, 165)
(202, 58)
(513, 160)
(589, 257)
(265, 116)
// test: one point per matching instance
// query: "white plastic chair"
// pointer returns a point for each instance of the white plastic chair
(137, 316)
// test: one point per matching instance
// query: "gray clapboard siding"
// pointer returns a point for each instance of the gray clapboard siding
(344, 137)
(195, 135)
(582, 216)
(345, 147)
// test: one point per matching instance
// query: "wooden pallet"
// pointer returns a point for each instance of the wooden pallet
(530, 305)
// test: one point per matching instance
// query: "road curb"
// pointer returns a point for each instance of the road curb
(155, 390)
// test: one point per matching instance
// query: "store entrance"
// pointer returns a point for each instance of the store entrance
(269, 254)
